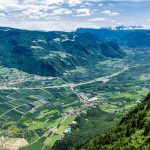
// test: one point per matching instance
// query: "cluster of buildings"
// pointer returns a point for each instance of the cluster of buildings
(23, 79)
(89, 102)
(119, 65)
(17, 81)
(92, 102)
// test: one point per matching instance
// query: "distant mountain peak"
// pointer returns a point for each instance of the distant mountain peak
(121, 27)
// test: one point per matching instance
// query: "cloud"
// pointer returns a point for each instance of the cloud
(110, 13)
(53, 14)
(115, 14)
(74, 1)
(33, 14)
(97, 19)
(88, 3)
(2, 15)
(61, 11)
(51, 2)
(83, 12)
(100, 4)
(10, 5)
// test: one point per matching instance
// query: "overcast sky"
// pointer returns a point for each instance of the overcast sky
(70, 14)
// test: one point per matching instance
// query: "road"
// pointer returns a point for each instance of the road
(72, 85)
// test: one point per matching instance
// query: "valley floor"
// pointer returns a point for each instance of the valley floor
(42, 110)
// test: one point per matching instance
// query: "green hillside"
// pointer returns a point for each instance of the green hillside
(132, 133)
(50, 53)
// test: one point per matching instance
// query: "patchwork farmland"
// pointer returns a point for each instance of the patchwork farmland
(36, 112)
(41, 110)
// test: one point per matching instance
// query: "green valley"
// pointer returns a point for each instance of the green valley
(61, 89)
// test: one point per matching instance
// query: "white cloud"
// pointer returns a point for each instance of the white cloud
(51, 2)
(10, 5)
(61, 11)
(34, 12)
(115, 14)
(88, 3)
(53, 7)
(110, 13)
(2, 15)
(74, 1)
(106, 12)
(83, 12)
(100, 4)
(60, 25)
(98, 19)
(119, 23)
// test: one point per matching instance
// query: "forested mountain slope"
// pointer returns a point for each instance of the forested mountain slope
(133, 132)
(51, 53)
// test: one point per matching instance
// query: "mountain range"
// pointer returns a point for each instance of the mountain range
(51, 53)
(135, 38)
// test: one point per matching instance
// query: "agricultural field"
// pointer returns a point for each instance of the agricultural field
(34, 114)
(40, 109)
(30, 111)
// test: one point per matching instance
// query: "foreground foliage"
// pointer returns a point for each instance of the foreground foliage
(89, 125)
(132, 133)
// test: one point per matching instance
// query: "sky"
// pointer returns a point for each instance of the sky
(67, 15)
